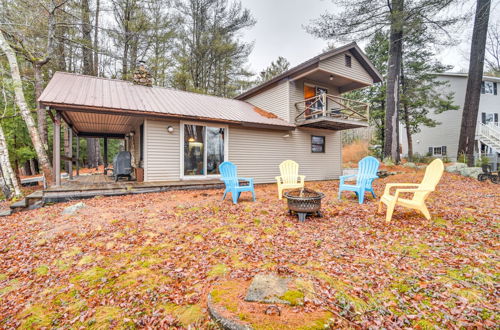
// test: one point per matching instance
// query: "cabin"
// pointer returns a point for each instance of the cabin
(179, 138)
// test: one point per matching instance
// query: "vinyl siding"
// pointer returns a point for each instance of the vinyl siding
(448, 132)
(258, 153)
(336, 64)
(162, 151)
(274, 100)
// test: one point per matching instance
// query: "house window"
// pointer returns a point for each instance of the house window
(204, 149)
(317, 144)
(489, 118)
(489, 87)
(437, 151)
(348, 61)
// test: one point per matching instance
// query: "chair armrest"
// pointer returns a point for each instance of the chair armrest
(279, 180)
(246, 179)
(396, 194)
(343, 177)
(391, 185)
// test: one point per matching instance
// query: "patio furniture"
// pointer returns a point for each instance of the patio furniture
(433, 174)
(122, 165)
(488, 174)
(229, 174)
(367, 172)
(303, 202)
(290, 177)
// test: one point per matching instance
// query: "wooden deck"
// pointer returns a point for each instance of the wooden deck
(100, 185)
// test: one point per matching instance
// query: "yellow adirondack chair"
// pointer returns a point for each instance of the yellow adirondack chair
(290, 177)
(433, 174)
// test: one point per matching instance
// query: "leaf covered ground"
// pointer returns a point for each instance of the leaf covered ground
(149, 260)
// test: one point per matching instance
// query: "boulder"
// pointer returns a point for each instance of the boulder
(456, 168)
(70, 210)
(267, 289)
(410, 165)
(471, 172)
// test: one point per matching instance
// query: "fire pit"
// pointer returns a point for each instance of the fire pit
(304, 202)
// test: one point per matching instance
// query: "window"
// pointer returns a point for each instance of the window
(317, 144)
(489, 87)
(489, 118)
(204, 149)
(348, 61)
(437, 151)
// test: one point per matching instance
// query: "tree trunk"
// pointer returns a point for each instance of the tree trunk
(87, 52)
(42, 115)
(391, 136)
(9, 177)
(96, 37)
(32, 166)
(473, 92)
(406, 112)
(6, 191)
(43, 159)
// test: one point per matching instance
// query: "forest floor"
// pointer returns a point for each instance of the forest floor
(149, 260)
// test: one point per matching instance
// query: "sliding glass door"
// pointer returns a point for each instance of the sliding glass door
(204, 150)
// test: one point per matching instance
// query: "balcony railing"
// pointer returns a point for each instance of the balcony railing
(330, 106)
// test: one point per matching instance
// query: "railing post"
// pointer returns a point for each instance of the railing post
(323, 96)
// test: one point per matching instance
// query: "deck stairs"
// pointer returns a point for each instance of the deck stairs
(489, 134)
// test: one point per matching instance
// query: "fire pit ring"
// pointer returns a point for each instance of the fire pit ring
(303, 202)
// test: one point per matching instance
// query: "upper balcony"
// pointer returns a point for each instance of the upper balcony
(331, 112)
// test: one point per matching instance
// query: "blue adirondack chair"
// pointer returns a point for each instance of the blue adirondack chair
(229, 174)
(367, 172)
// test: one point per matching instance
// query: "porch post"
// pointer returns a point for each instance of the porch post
(57, 148)
(70, 152)
(77, 155)
(105, 155)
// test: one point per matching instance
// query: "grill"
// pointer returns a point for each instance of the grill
(304, 202)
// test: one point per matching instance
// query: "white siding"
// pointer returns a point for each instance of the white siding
(336, 64)
(448, 132)
(162, 151)
(274, 100)
(258, 153)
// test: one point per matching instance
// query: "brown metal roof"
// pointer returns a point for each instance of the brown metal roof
(74, 92)
(313, 62)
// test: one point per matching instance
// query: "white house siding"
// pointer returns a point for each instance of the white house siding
(162, 151)
(448, 132)
(258, 153)
(336, 64)
(274, 100)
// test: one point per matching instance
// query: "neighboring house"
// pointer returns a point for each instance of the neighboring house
(176, 135)
(442, 140)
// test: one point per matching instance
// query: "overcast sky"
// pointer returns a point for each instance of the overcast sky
(279, 32)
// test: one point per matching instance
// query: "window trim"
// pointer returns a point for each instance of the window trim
(324, 144)
(181, 149)
(441, 154)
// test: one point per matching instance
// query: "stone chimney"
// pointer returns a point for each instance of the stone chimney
(142, 76)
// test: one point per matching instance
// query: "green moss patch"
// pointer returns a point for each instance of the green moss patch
(294, 297)
(93, 276)
(218, 270)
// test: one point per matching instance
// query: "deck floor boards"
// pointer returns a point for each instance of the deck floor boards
(93, 185)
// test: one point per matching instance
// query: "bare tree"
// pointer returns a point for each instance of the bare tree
(43, 159)
(493, 49)
(474, 80)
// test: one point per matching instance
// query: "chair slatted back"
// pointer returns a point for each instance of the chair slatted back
(433, 174)
(367, 169)
(229, 174)
(289, 172)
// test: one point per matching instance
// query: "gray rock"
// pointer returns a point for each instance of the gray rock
(5, 213)
(455, 168)
(471, 172)
(268, 289)
(410, 165)
(70, 210)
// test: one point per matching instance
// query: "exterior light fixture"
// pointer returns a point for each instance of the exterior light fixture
(191, 139)
(286, 135)
(331, 77)
(170, 129)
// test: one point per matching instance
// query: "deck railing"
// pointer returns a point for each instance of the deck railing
(326, 105)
